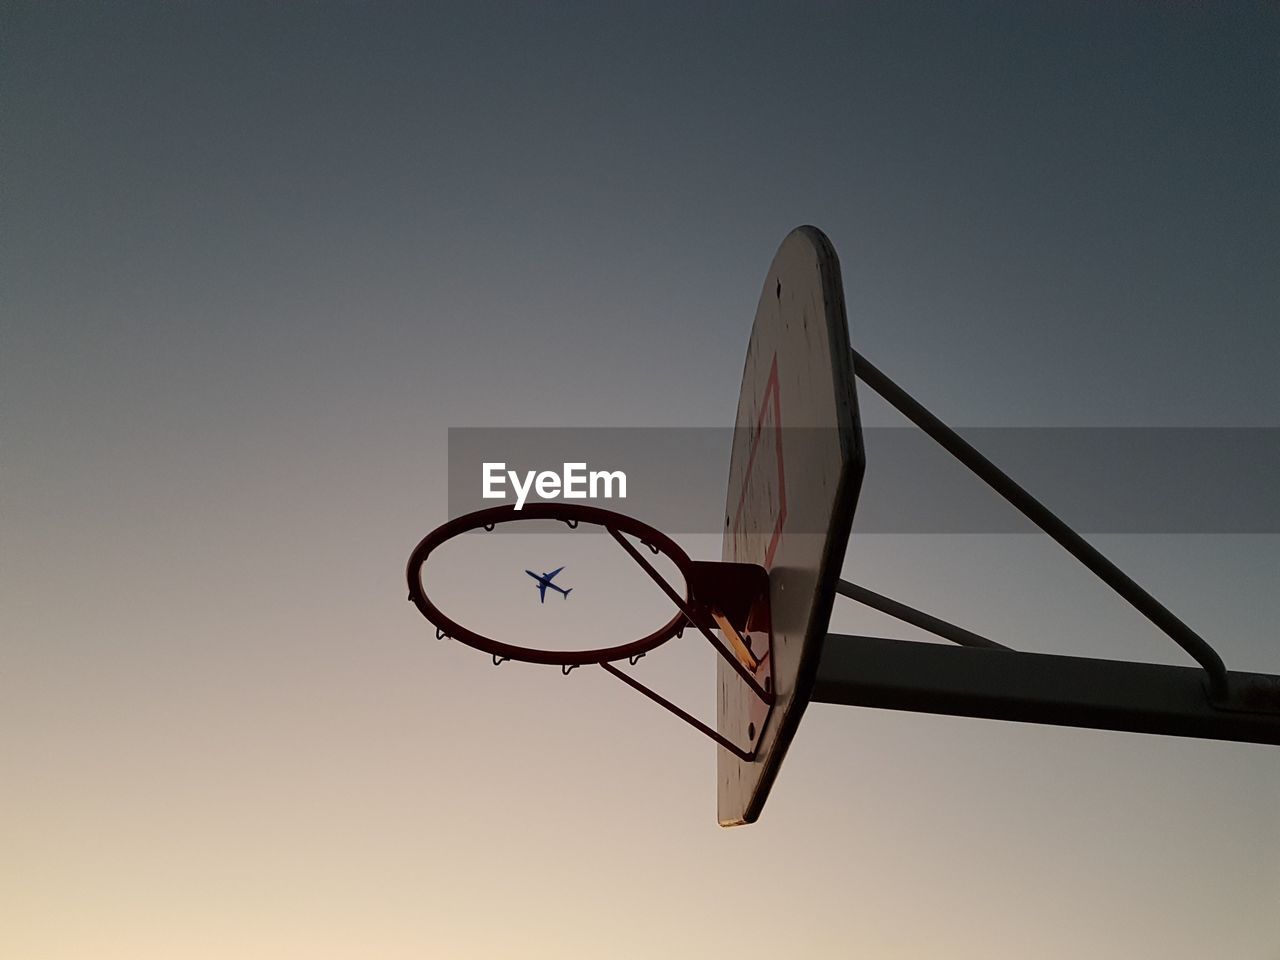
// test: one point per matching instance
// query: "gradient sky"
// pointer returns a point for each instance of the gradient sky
(258, 258)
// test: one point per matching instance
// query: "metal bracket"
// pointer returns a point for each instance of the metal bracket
(1250, 693)
(741, 587)
(734, 597)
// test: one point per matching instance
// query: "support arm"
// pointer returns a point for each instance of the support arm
(1042, 517)
(1041, 688)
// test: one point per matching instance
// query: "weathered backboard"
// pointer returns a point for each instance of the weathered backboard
(794, 476)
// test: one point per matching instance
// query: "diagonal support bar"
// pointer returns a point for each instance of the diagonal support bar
(684, 715)
(917, 618)
(1043, 688)
(1042, 517)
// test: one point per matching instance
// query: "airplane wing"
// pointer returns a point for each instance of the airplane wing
(552, 574)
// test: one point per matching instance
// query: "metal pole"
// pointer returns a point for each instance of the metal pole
(1040, 688)
(1042, 517)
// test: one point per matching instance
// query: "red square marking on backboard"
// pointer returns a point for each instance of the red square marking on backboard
(765, 467)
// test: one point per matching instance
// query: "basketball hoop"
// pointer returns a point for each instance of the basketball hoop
(788, 515)
(730, 597)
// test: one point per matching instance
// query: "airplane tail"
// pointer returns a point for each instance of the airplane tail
(569, 591)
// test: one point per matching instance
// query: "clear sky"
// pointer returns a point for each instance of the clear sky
(258, 258)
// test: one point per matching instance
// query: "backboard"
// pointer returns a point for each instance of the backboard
(794, 475)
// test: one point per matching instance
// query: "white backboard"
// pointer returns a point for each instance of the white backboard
(794, 476)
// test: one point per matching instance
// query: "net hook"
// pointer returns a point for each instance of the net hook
(440, 634)
(497, 660)
(568, 668)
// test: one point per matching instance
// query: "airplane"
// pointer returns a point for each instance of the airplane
(544, 581)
